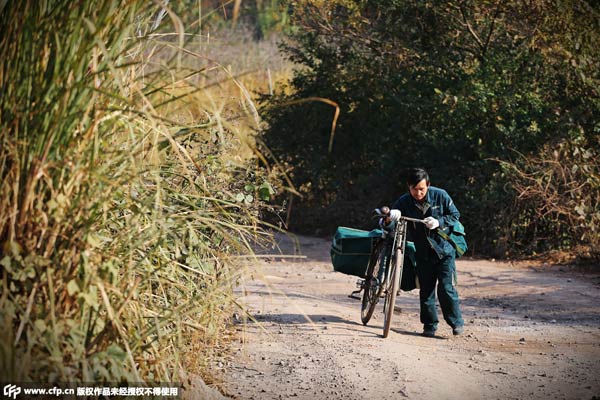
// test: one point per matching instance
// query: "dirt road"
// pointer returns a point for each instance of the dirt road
(531, 333)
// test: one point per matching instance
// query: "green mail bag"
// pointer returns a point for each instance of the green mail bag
(351, 249)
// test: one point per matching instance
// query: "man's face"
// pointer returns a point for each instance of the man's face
(419, 191)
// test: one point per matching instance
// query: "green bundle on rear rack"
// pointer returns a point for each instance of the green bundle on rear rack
(351, 249)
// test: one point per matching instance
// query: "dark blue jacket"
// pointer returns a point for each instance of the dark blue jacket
(440, 207)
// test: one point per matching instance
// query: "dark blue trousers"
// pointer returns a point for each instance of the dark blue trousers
(431, 272)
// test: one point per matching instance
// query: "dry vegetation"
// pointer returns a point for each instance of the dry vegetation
(129, 179)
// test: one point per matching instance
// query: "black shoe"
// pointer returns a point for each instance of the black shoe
(459, 330)
(428, 332)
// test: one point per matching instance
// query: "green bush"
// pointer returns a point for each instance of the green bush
(452, 87)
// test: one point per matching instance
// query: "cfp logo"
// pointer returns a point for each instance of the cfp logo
(12, 391)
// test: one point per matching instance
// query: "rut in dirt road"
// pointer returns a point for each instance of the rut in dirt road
(530, 333)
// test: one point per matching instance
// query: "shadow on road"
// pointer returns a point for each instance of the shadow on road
(412, 333)
(317, 319)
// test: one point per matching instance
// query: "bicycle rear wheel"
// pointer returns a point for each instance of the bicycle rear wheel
(392, 290)
(371, 286)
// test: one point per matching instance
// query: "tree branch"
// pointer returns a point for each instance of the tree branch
(470, 28)
(489, 35)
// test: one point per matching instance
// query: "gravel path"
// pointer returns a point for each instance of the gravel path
(530, 333)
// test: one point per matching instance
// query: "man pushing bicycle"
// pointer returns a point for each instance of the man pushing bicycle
(435, 256)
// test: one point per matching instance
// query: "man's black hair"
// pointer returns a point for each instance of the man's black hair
(416, 175)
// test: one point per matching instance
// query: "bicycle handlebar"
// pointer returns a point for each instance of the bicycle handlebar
(385, 211)
(412, 219)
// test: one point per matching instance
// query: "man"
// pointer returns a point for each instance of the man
(434, 255)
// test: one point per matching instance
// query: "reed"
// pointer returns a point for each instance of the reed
(122, 200)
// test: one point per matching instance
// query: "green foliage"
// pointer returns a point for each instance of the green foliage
(450, 86)
(118, 203)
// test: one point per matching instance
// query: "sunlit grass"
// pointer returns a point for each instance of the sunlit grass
(129, 179)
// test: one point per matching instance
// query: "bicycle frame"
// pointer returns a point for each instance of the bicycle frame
(391, 275)
(398, 243)
(394, 274)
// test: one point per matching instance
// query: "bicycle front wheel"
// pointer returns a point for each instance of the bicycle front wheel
(371, 286)
(392, 290)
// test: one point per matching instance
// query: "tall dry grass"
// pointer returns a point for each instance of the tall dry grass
(129, 180)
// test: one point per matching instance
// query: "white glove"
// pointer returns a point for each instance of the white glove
(395, 215)
(431, 223)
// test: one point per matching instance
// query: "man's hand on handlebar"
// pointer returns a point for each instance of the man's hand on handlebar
(395, 215)
(387, 215)
(431, 223)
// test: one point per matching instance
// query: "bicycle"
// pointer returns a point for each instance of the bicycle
(384, 272)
